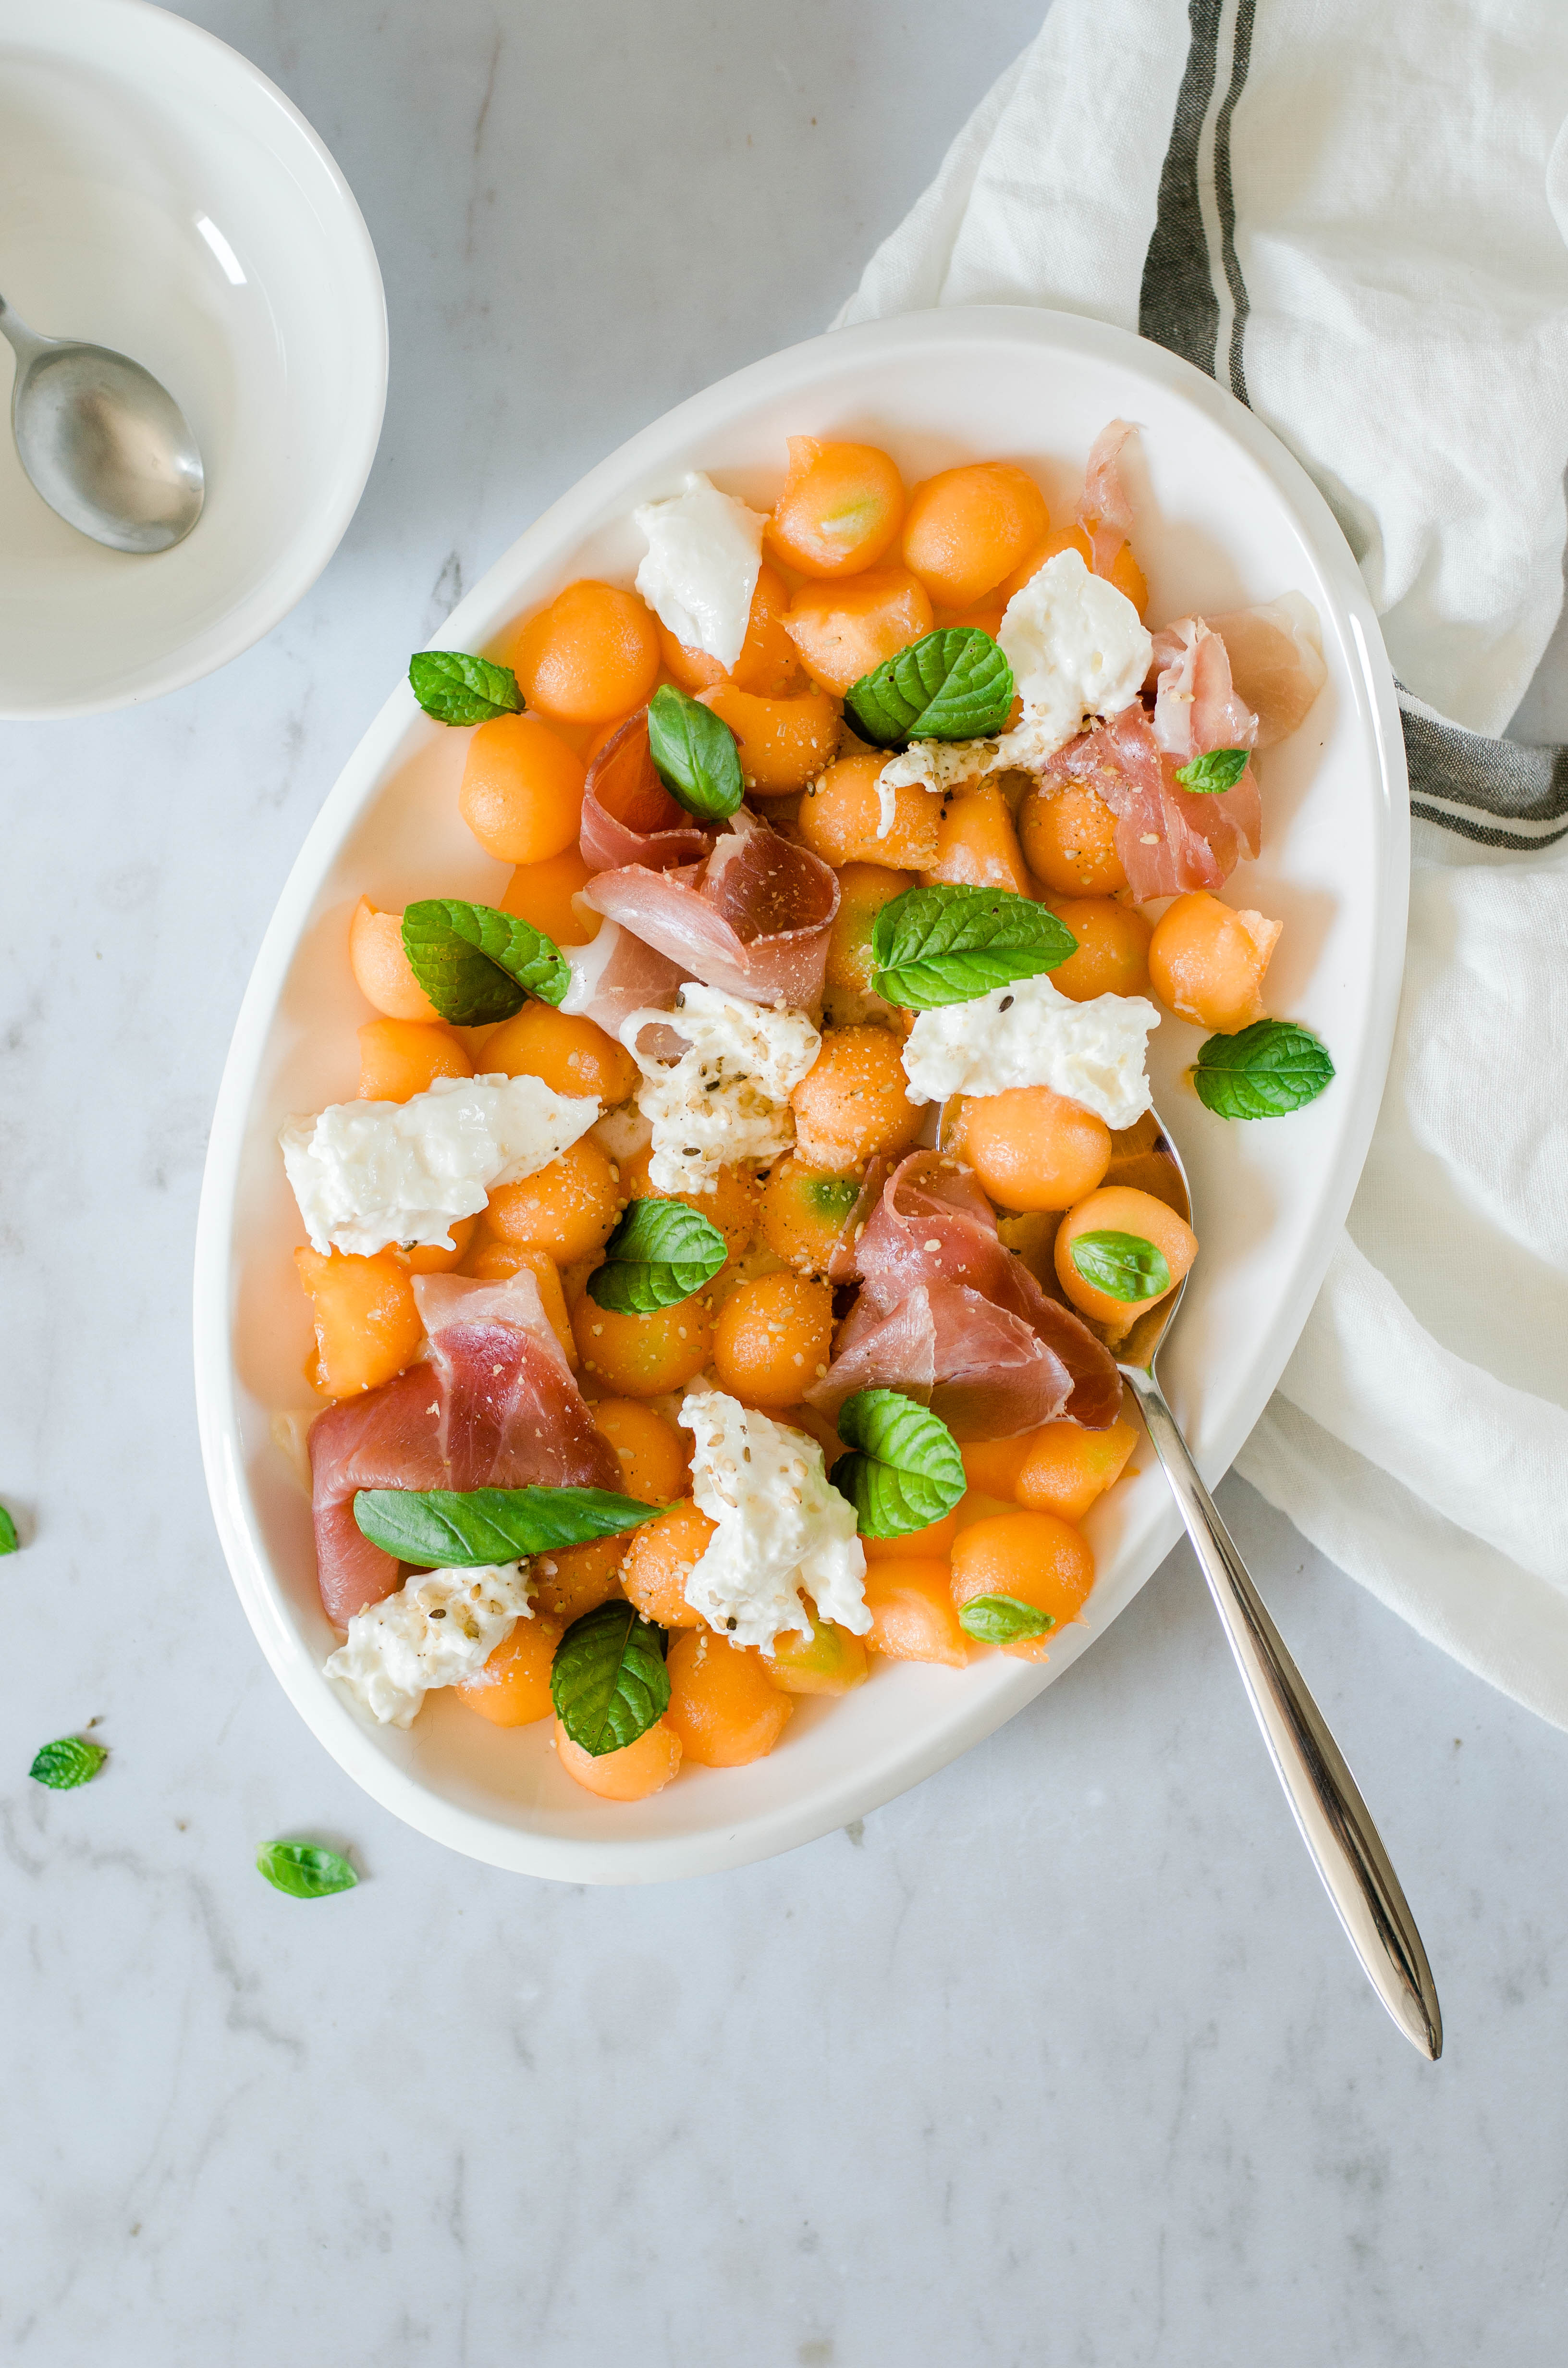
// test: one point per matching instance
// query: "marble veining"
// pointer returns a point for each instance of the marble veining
(1060, 2059)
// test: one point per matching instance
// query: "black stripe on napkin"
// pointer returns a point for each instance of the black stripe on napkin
(1176, 304)
(1493, 791)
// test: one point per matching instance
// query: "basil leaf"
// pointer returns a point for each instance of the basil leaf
(1221, 769)
(1268, 1070)
(694, 754)
(608, 1681)
(954, 684)
(456, 688)
(947, 944)
(477, 963)
(64, 1765)
(9, 1541)
(658, 1255)
(304, 1869)
(464, 1528)
(1124, 1266)
(907, 1472)
(1002, 1619)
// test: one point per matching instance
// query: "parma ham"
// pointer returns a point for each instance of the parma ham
(1104, 511)
(1276, 664)
(629, 816)
(1196, 704)
(615, 974)
(752, 917)
(1169, 839)
(494, 1406)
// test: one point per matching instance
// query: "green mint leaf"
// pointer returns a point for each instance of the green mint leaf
(465, 1528)
(658, 1255)
(64, 1765)
(608, 1681)
(1268, 1070)
(1002, 1619)
(1221, 769)
(304, 1869)
(9, 1541)
(456, 688)
(1124, 1266)
(954, 684)
(946, 944)
(907, 1472)
(694, 754)
(477, 963)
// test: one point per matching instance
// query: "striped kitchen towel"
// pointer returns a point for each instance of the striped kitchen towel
(1355, 217)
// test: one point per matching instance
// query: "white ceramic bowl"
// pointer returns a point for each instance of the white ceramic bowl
(1225, 514)
(159, 196)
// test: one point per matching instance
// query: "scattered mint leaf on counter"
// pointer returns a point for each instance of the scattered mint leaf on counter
(608, 1681)
(694, 755)
(1265, 1071)
(477, 963)
(67, 1763)
(1221, 769)
(954, 684)
(9, 1541)
(1002, 1619)
(304, 1869)
(1124, 1266)
(658, 1255)
(456, 688)
(906, 1471)
(464, 1528)
(947, 944)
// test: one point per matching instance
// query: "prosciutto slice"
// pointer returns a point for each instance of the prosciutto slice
(615, 974)
(1276, 653)
(1169, 839)
(1104, 511)
(496, 1406)
(629, 816)
(1196, 704)
(948, 1313)
(753, 918)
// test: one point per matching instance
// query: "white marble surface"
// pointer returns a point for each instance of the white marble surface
(1060, 2059)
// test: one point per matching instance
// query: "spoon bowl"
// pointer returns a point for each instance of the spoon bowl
(104, 442)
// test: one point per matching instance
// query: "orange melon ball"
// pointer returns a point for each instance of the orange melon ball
(661, 1559)
(1121, 1209)
(913, 1617)
(731, 1204)
(568, 1208)
(773, 1339)
(428, 1260)
(631, 1774)
(591, 655)
(723, 1705)
(642, 1356)
(1207, 961)
(571, 1055)
(654, 1457)
(783, 743)
(1068, 837)
(400, 1058)
(513, 1688)
(1113, 947)
(367, 1326)
(542, 894)
(575, 1579)
(854, 1100)
(1028, 1558)
(1034, 1149)
(522, 790)
(382, 971)
(841, 507)
(967, 528)
(831, 1660)
(977, 846)
(863, 890)
(846, 628)
(841, 817)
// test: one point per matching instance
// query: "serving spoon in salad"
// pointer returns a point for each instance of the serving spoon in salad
(1333, 1819)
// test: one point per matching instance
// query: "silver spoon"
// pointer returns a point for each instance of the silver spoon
(1333, 1818)
(106, 445)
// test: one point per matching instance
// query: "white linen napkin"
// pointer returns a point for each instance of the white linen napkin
(1353, 213)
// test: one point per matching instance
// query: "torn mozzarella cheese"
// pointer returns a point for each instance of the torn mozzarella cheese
(782, 1528)
(727, 1097)
(700, 570)
(1077, 647)
(1029, 1034)
(367, 1174)
(440, 1630)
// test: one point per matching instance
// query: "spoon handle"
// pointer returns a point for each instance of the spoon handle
(1328, 1808)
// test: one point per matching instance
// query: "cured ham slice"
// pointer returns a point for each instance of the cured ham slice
(753, 918)
(1169, 839)
(949, 1313)
(1104, 511)
(629, 816)
(496, 1406)
(615, 974)
(1276, 653)
(1196, 704)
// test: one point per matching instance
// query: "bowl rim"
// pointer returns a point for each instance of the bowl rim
(29, 30)
(637, 1859)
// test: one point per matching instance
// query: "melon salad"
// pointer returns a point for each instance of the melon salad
(718, 1277)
